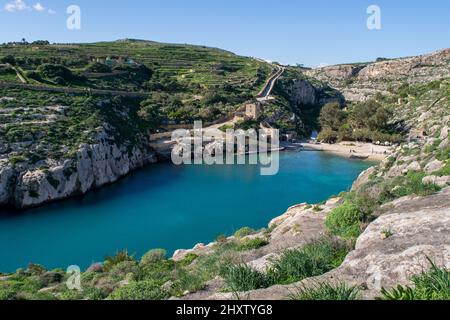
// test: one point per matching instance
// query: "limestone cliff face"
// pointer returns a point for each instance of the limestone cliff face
(304, 92)
(93, 166)
(360, 82)
(6, 174)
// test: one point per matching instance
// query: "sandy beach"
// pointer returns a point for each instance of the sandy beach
(364, 151)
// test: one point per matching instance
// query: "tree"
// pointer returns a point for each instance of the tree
(8, 59)
(150, 113)
(328, 136)
(371, 115)
(332, 116)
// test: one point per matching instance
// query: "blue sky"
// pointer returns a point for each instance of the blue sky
(289, 31)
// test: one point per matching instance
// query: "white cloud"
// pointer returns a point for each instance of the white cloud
(16, 5)
(323, 64)
(39, 7)
(20, 5)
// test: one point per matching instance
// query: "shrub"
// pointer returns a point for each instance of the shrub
(98, 67)
(221, 238)
(188, 259)
(243, 278)
(345, 220)
(122, 269)
(431, 285)
(312, 260)
(326, 291)
(328, 136)
(443, 154)
(191, 281)
(144, 290)
(158, 270)
(33, 75)
(7, 293)
(153, 256)
(121, 256)
(243, 232)
(415, 185)
(251, 244)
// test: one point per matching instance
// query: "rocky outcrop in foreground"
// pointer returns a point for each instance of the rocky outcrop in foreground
(419, 230)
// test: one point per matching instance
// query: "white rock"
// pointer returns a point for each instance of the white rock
(434, 166)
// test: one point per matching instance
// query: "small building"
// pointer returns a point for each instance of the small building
(252, 111)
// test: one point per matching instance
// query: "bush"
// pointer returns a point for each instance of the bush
(122, 269)
(431, 285)
(243, 278)
(33, 75)
(158, 271)
(413, 185)
(312, 260)
(120, 256)
(144, 290)
(345, 220)
(188, 259)
(328, 136)
(243, 232)
(7, 293)
(326, 291)
(153, 256)
(251, 244)
(97, 67)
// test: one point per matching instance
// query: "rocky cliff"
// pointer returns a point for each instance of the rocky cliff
(360, 82)
(92, 166)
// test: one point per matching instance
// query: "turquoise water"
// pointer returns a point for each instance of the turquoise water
(164, 206)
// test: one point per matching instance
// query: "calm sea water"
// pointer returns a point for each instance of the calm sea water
(164, 206)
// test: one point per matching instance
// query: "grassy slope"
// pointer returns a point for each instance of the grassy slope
(26, 116)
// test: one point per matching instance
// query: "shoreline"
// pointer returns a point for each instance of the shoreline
(352, 150)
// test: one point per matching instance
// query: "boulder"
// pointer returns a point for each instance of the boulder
(414, 166)
(444, 133)
(434, 166)
(439, 181)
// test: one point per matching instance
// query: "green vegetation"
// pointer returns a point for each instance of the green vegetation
(243, 232)
(326, 291)
(411, 184)
(431, 285)
(195, 82)
(251, 244)
(243, 278)
(291, 115)
(347, 219)
(367, 122)
(311, 260)
(144, 290)
(445, 171)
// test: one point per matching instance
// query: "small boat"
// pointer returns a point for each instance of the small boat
(359, 156)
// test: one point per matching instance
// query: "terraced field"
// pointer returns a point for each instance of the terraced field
(130, 87)
(189, 65)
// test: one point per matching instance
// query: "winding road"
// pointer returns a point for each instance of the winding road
(270, 84)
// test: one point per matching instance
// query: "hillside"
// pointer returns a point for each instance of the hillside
(83, 117)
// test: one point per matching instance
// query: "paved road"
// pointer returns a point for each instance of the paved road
(267, 90)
